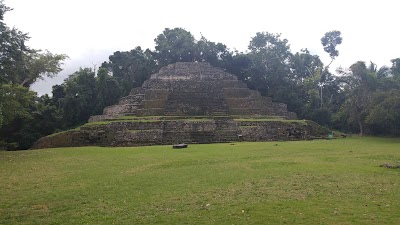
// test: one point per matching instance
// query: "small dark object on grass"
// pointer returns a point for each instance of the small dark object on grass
(180, 146)
(390, 166)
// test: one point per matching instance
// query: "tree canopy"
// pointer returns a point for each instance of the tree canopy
(21, 66)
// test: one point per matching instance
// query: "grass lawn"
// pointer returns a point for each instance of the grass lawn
(302, 182)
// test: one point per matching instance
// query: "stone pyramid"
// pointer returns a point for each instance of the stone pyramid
(194, 89)
(189, 102)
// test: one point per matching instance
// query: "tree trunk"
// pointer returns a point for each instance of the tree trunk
(24, 83)
(361, 128)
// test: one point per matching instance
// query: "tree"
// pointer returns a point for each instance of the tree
(304, 65)
(216, 54)
(80, 97)
(239, 65)
(383, 116)
(269, 71)
(395, 69)
(12, 48)
(179, 45)
(305, 73)
(131, 68)
(41, 117)
(372, 101)
(107, 90)
(21, 64)
(174, 45)
(16, 103)
(46, 119)
(3, 9)
(40, 65)
(360, 84)
(330, 41)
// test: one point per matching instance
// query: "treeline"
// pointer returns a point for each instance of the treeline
(361, 99)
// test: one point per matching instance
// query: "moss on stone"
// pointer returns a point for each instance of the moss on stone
(269, 120)
(64, 131)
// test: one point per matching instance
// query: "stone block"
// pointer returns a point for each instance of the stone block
(236, 92)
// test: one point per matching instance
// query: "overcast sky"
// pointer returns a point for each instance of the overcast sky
(88, 31)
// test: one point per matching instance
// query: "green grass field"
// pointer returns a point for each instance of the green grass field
(303, 182)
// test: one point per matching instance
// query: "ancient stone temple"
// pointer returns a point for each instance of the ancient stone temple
(188, 102)
(193, 89)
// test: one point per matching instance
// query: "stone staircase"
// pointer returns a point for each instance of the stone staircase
(197, 103)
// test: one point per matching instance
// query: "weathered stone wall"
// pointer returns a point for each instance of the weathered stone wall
(73, 138)
(196, 103)
(128, 105)
(118, 110)
(270, 131)
(183, 131)
(98, 118)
